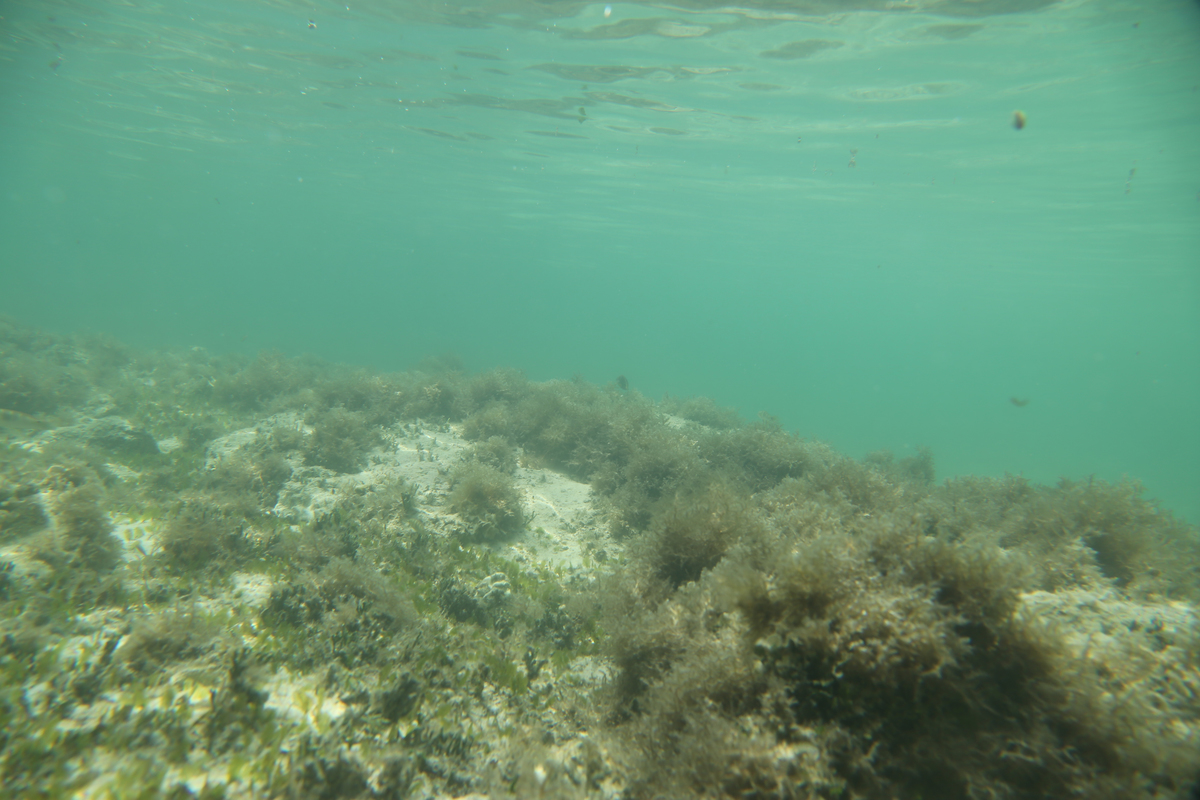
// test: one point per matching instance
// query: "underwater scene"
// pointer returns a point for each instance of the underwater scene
(779, 400)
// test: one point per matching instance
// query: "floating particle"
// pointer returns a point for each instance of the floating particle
(1018, 120)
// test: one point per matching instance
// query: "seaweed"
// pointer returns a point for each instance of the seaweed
(495, 452)
(158, 639)
(238, 706)
(340, 439)
(487, 500)
(778, 620)
(81, 538)
(918, 469)
(201, 536)
(265, 380)
(690, 535)
(399, 699)
(923, 686)
(703, 411)
(1075, 534)
(20, 511)
(758, 456)
(345, 611)
(40, 378)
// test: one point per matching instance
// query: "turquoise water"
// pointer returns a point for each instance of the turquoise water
(823, 212)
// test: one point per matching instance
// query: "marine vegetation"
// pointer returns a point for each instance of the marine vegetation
(273, 577)
(486, 499)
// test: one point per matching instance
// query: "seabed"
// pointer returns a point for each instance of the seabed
(230, 577)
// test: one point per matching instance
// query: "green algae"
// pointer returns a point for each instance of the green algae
(263, 605)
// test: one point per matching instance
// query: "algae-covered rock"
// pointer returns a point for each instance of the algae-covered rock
(425, 585)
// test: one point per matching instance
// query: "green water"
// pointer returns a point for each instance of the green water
(821, 211)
